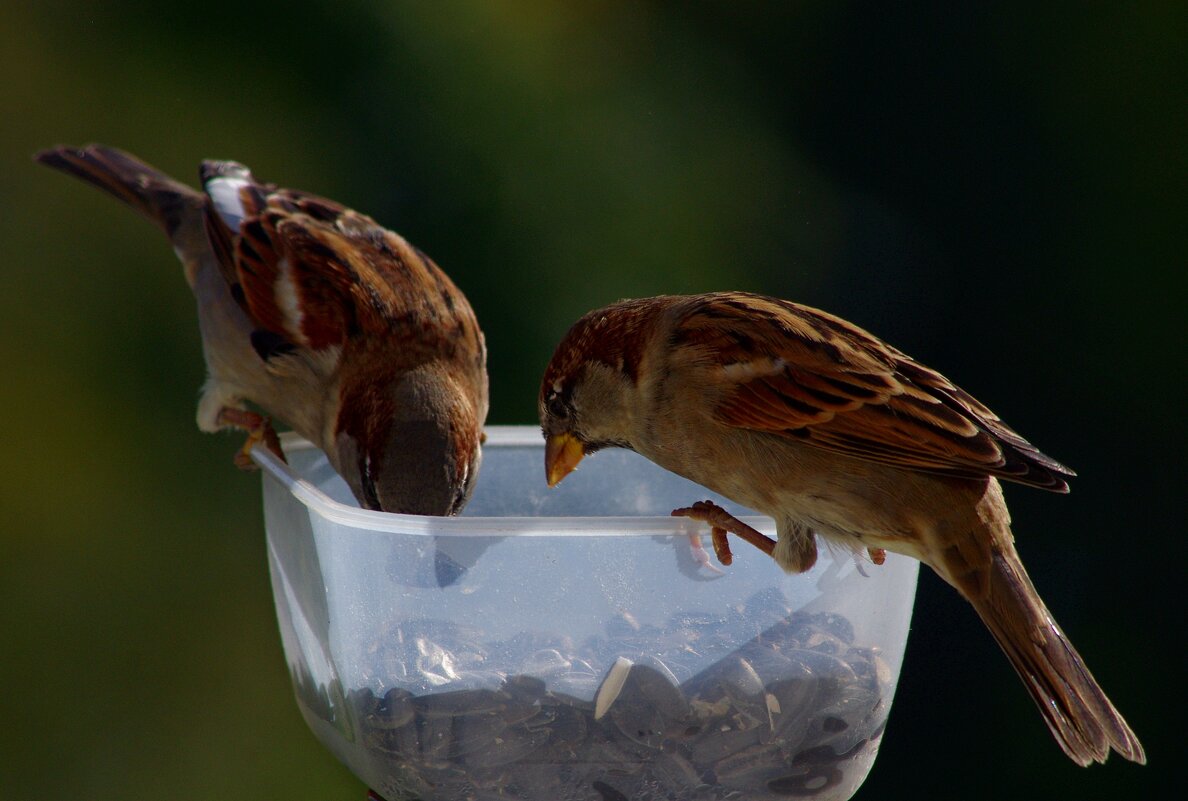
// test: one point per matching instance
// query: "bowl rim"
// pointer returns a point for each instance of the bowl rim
(318, 502)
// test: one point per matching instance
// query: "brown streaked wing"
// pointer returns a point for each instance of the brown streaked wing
(808, 375)
(402, 287)
(340, 271)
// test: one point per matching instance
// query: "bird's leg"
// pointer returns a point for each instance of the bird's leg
(259, 429)
(722, 521)
(721, 545)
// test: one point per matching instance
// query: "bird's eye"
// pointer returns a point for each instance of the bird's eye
(557, 407)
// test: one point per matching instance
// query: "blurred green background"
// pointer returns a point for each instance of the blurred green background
(996, 189)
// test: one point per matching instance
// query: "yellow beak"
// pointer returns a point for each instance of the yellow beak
(562, 454)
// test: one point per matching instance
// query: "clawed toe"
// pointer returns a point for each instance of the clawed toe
(259, 429)
(720, 522)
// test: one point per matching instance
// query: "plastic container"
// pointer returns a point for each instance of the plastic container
(556, 644)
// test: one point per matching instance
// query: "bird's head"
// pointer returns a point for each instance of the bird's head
(591, 392)
(411, 445)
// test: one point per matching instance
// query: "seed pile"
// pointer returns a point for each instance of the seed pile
(796, 712)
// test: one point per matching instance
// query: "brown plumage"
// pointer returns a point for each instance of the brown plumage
(323, 318)
(811, 420)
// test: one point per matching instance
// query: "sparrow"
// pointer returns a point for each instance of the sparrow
(322, 318)
(812, 421)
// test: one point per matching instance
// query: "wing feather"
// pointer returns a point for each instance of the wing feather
(799, 372)
(314, 274)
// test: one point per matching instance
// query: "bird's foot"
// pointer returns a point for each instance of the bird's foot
(259, 430)
(720, 522)
(876, 555)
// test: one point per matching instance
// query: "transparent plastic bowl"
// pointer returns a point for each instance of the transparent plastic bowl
(566, 644)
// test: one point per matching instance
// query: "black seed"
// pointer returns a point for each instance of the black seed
(608, 793)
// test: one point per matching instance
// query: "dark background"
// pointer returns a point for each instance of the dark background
(997, 190)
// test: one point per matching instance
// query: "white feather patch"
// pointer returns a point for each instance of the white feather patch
(288, 300)
(224, 193)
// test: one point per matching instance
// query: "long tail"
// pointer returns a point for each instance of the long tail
(166, 202)
(1076, 709)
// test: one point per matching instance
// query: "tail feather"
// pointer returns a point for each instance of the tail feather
(1076, 709)
(166, 202)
